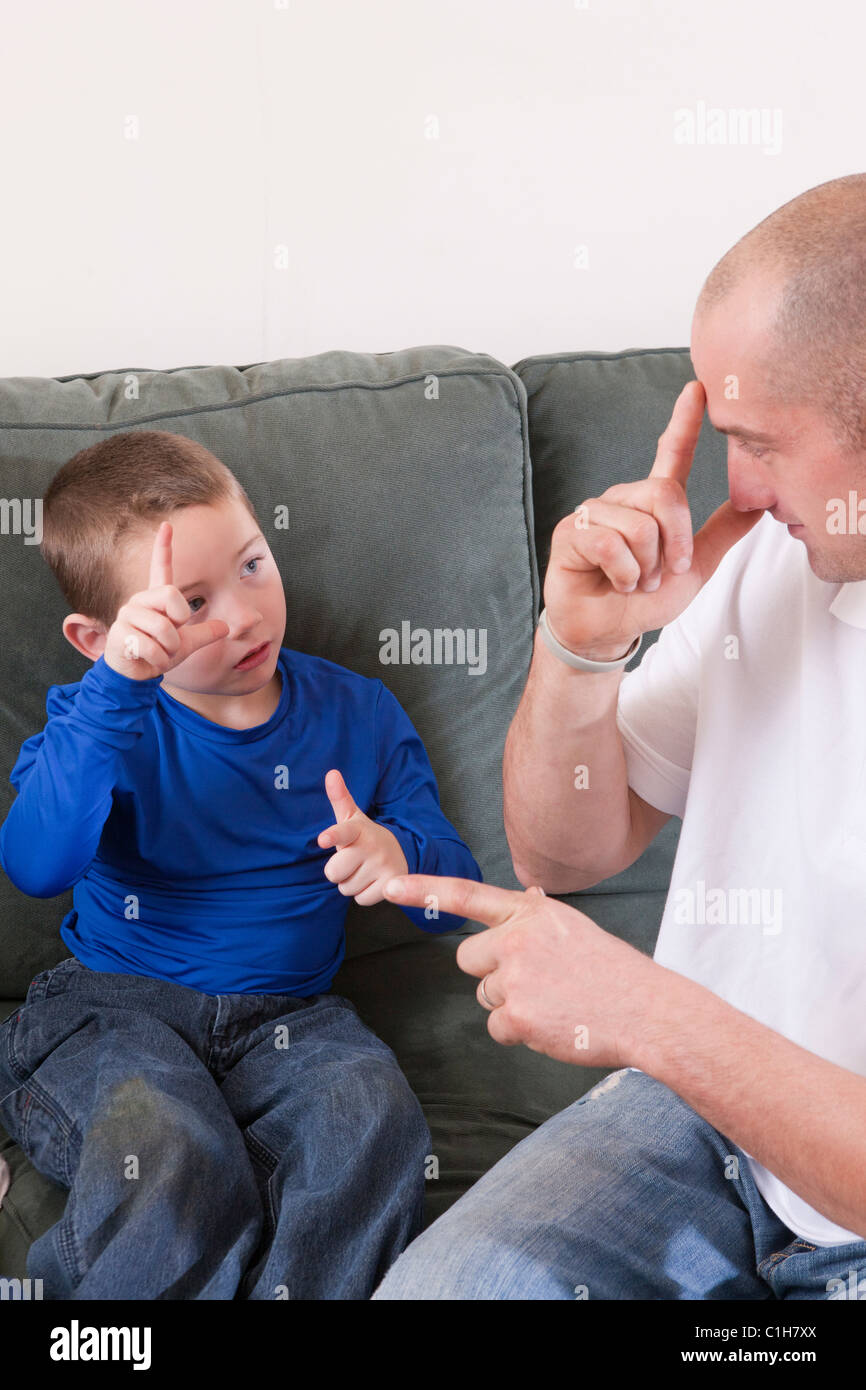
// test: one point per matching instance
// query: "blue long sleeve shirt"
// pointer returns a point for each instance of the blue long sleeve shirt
(192, 847)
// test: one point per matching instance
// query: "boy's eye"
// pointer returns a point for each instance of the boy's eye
(256, 559)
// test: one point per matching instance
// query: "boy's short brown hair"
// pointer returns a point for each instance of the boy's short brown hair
(120, 487)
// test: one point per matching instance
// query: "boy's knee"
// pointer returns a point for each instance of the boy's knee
(151, 1135)
(378, 1097)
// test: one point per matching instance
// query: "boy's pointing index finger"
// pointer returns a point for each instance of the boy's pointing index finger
(480, 902)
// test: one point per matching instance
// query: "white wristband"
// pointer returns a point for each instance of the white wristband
(583, 663)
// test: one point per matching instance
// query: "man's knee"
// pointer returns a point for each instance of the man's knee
(480, 1254)
(445, 1261)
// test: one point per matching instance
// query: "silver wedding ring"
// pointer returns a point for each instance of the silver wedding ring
(485, 996)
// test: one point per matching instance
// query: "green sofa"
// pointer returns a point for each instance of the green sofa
(421, 487)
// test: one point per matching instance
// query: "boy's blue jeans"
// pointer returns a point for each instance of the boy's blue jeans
(253, 1146)
(626, 1194)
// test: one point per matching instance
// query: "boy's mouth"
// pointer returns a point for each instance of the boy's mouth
(254, 656)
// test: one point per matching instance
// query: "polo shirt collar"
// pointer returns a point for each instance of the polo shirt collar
(850, 604)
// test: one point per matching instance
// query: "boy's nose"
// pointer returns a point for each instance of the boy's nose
(241, 620)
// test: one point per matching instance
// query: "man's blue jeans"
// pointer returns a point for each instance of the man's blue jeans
(626, 1194)
(254, 1146)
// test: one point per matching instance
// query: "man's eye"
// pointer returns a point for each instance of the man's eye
(753, 449)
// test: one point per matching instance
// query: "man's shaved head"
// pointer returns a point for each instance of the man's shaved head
(814, 249)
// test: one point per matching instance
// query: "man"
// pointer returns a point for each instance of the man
(725, 1157)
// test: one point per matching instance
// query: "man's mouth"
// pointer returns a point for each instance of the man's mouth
(253, 656)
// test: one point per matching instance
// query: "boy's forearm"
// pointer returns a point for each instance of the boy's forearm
(564, 836)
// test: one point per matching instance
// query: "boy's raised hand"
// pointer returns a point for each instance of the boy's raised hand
(367, 853)
(149, 637)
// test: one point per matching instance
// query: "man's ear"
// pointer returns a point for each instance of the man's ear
(87, 635)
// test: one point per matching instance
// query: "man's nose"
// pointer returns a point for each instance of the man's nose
(748, 489)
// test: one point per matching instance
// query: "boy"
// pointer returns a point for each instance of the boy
(226, 1127)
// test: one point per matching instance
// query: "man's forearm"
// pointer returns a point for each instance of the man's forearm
(566, 718)
(800, 1116)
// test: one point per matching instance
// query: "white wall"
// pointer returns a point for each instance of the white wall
(156, 156)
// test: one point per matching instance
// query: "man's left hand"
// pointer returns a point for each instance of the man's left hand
(558, 983)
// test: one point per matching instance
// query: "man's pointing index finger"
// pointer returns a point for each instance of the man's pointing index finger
(480, 902)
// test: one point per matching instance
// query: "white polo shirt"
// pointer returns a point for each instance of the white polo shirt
(747, 718)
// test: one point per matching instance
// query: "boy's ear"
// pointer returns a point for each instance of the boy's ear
(87, 635)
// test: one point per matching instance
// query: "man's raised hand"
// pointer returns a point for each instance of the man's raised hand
(626, 562)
